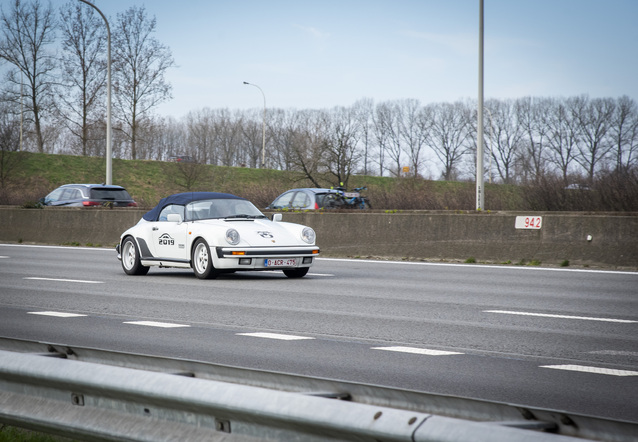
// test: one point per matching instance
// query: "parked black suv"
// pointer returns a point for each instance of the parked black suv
(89, 195)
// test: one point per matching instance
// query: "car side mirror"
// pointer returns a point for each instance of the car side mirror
(276, 217)
(174, 217)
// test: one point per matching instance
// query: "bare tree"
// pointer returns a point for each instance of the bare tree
(380, 121)
(508, 135)
(414, 124)
(309, 145)
(388, 134)
(287, 134)
(593, 117)
(9, 144)
(252, 137)
(228, 136)
(81, 95)
(140, 63)
(341, 139)
(562, 136)
(530, 114)
(364, 110)
(624, 134)
(200, 126)
(448, 134)
(27, 32)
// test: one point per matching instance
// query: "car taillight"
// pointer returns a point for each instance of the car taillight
(133, 204)
(316, 206)
(91, 203)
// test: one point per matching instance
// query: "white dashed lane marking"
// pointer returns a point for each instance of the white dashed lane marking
(275, 336)
(57, 314)
(545, 315)
(419, 351)
(400, 349)
(156, 324)
(64, 280)
(593, 370)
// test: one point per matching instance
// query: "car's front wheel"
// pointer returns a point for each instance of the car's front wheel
(202, 261)
(131, 258)
(297, 273)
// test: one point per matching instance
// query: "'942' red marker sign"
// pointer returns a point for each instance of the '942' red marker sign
(529, 222)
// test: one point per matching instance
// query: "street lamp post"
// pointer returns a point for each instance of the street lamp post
(21, 106)
(109, 148)
(263, 127)
(480, 191)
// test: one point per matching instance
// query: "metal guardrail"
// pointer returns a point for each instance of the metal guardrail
(93, 394)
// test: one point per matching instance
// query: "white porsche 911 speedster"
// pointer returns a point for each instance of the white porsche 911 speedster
(215, 233)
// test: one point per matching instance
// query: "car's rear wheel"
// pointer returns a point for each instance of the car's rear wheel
(202, 261)
(131, 258)
(296, 273)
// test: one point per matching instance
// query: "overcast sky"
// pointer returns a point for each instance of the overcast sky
(324, 53)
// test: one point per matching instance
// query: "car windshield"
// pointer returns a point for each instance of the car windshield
(222, 208)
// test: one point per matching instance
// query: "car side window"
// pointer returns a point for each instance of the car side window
(54, 196)
(67, 194)
(76, 194)
(284, 200)
(300, 200)
(172, 208)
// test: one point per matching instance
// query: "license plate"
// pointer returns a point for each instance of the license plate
(285, 262)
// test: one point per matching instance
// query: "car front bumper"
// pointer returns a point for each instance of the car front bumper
(265, 258)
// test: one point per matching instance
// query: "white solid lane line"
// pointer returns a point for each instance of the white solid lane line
(156, 324)
(545, 315)
(275, 336)
(594, 370)
(419, 351)
(64, 280)
(57, 314)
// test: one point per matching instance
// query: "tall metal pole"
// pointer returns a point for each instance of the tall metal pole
(480, 191)
(263, 127)
(21, 106)
(109, 147)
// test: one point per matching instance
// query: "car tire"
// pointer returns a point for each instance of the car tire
(202, 260)
(131, 263)
(297, 273)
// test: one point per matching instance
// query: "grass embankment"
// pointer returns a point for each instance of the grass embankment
(15, 434)
(26, 177)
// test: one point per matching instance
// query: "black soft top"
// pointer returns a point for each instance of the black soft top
(185, 198)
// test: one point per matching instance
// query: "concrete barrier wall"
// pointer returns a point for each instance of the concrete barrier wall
(487, 237)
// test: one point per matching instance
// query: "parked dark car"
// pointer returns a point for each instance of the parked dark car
(89, 195)
(307, 199)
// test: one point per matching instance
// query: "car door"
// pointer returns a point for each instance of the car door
(300, 201)
(283, 201)
(168, 235)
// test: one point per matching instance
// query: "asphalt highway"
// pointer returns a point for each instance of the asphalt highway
(563, 339)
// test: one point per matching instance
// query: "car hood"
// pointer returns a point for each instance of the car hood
(261, 232)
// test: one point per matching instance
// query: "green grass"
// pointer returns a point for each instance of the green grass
(33, 175)
(14, 434)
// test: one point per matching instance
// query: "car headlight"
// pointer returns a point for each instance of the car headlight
(308, 235)
(232, 237)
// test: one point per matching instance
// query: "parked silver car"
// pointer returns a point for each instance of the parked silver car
(307, 199)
